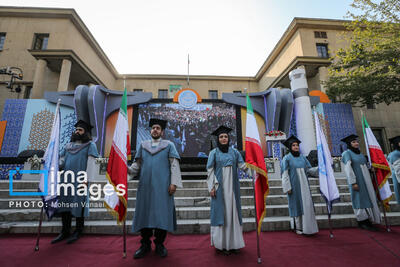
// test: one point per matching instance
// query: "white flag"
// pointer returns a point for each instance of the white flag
(49, 186)
(327, 182)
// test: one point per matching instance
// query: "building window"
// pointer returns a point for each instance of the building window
(379, 134)
(322, 50)
(162, 93)
(2, 40)
(40, 41)
(137, 90)
(320, 35)
(237, 92)
(371, 106)
(27, 92)
(212, 94)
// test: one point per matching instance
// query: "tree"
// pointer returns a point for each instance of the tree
(367, 70)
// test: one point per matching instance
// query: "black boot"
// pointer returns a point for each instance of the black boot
(66, 228)
(60, 237)
(366, 225)
(142, 251)
(145, 248)
(161, 250)
(371, 227)
(80, 222)
(159, 242)
(362, 224)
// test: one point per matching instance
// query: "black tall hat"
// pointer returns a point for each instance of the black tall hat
(221, 129)
(83, 124)
(162, 123)
(349, 138)
(292, 139)
(395, 140)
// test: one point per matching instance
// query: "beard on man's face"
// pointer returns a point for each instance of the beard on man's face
(78, 137)
(156, 134)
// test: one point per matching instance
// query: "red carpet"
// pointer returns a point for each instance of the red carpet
(349, 247)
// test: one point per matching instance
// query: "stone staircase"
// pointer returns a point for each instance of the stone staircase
(21, 214)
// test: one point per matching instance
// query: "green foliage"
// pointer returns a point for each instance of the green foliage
(367, 70)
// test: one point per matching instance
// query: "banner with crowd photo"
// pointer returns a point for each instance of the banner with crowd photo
(189, 129)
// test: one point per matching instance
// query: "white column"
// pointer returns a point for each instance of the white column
(323, 76)
(64, 75)
(302, 109)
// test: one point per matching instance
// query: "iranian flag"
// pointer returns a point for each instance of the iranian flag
(117, 168)
(379, 162)
(255, 161)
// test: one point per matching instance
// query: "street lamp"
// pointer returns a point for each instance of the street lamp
(15, 73)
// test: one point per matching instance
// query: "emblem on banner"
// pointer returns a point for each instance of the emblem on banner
(187, 98)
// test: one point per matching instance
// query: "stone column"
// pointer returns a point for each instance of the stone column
(323, 76)
(38, 79)
(302, 109)
(64, 75)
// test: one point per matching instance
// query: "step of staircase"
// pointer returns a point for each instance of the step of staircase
(193, 226)
(10, 203)
(20, 214)
(33, 185)
(192, 192)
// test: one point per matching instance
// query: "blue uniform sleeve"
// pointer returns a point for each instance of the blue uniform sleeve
(173, 153)
(284, 164)
(93, 150)
(390, 158)
(239, 157)
(139, 152)
(346, 157)
(308, 165)
(211, 159)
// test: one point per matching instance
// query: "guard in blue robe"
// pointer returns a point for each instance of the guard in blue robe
(362, 192)
(156, 163)
(394, 161)
(294, 168)
(74, 158)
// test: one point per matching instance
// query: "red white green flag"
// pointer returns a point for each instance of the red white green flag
(379, 162)
(117, 167)
(255, 161)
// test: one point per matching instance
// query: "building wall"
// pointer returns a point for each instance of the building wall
(19, 38)
(289, 52)
(74, 40)
(68, 32)
(201, 86)
(63, 34)
(314, 83)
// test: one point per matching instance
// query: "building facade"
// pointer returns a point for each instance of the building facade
(56, 52)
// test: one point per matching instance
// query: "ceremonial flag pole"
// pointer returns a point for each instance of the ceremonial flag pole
(259, 260)
(39, 228)
(188, 63)
(256, 163)
(117, 169)
(327, 182)
(379, 167)
(129, 149)
(124, 233)
(48, 181)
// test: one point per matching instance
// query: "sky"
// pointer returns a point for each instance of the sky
(222, 37)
